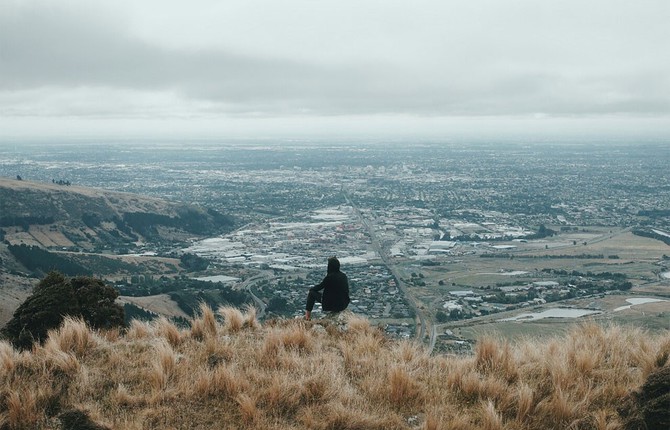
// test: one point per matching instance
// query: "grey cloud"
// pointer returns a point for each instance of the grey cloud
(70, 51)
(62, 48)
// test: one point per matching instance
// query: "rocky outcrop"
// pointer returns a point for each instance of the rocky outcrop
(649, 408)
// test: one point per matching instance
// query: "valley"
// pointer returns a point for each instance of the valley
(441, 242)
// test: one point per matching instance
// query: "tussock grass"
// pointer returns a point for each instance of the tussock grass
(491, 418)
(8, 359)
(209, 324)
(138, 330)
(164, 366)
(167, 330)
(73, 336)
(221, 382)
(248, 410)
(495, 357)
(250, 320)
(403, 389)
(228, 371)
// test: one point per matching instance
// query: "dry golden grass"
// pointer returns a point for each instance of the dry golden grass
(73, 337)
(227, 371)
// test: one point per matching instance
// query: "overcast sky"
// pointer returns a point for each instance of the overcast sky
(311, 67)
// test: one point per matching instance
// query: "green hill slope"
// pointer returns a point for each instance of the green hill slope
(58, 216)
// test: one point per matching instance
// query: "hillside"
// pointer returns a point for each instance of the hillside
(78, 218)
(228, 371)
(13, 291)
(86, 231)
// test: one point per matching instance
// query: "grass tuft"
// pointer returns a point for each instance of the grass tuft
(197, 329)
(297, 338)
(233, 319)
(663, 354)
(168, 331)
(21, 409)
(221, 381)
(8, 358)
(432, 423)
(250, 319)
(525, 403)
(209, 323)
(358, 324)
(138, 330)
(73, 336)
(247, 408)
(123, 398)
(164, 366)
(491, 418)
(404, 391)
(492, 357)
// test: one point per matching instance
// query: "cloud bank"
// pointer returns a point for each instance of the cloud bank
(268, 61)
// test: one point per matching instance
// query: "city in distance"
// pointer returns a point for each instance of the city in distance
(444, 242)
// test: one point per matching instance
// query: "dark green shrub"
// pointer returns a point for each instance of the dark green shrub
(56, 297)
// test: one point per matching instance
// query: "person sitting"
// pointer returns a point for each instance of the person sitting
(335, 287)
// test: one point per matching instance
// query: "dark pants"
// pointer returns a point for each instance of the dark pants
(312, 297)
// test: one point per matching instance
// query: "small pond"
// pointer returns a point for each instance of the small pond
(553, 313)
(638, 301)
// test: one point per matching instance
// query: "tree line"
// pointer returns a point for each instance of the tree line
(187, 292)
(652, 235)
(561, 256)
(39, 260)
(190, 220)
(25, 221)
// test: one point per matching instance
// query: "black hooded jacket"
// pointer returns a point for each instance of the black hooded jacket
(335, 286)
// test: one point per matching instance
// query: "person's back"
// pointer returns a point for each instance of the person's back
(336, 292)
(335, 286)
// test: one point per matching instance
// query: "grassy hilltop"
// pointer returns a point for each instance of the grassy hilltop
(228, 371)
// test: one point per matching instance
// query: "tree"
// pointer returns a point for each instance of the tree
(40, 260)
(625, 285)
(277, 304)
(542, 232)
(56, 297)
(193, 263)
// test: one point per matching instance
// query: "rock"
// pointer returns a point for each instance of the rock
(339, 319)
(75, 419)
(318, 328)
(649, 408)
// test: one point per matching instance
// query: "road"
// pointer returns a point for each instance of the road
(423, 322)
(247, 284)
